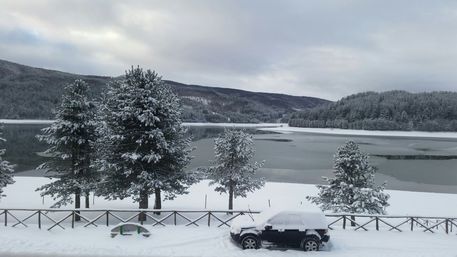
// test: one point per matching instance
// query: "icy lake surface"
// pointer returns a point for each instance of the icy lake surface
(416, 164)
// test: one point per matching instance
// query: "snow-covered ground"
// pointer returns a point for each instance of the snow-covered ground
(352, 132)
(204, 241)
(22, 194)
(213, 241)
(237, 125)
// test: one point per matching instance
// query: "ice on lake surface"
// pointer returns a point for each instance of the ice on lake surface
(296, 157)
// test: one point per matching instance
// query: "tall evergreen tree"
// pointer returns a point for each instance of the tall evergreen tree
(6, 169)
(233, 172)
(71, 139)
(353, 189)
(144, 147)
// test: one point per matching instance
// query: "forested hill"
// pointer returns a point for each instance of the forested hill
(32, 93)
(392, 110)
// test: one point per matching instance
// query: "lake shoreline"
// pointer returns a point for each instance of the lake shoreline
(285, 128)
(364, 133)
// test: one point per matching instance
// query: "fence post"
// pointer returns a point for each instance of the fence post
(377, 223)
(6, 218)
(72, 219)
(174, 217)
(209, 218)
(39, 219)
(447, 226)
(107, 218)
(412, 223)
(344, 221)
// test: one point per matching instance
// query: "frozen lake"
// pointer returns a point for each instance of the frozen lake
(416, 164)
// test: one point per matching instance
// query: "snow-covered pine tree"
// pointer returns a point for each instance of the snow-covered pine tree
(233, 172)
(144, 148)
(6, 169)
(72, 140)
(353, 189)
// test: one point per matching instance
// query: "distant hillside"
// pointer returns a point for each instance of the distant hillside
(392, 110)
(32, 93)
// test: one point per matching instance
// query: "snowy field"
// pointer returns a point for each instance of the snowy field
(281, 195)
(188, 241)
(372, 133)
(213, 241)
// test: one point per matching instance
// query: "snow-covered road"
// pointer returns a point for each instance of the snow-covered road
(203, 241)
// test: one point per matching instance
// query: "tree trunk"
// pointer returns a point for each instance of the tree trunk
(230, 204)
(144, 203)
(77, 205)
(158, 200)
(352, 221)
(87, 200)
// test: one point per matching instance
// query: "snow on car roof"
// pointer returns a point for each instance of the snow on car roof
(311, 218)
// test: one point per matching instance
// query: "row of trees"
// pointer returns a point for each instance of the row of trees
(131, 143)
(392, 110)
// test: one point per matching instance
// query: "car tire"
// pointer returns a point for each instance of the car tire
(311, 243)
(250, 242)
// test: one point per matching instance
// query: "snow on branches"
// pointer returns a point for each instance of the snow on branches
(353, 189)
(143, 147)
(233, 173)
(71, 141)
(6, 169)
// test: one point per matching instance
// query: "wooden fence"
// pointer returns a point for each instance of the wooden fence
(71, 218)
(61, 218)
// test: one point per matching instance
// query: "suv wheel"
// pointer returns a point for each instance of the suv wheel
(250, 242)
(311, 244)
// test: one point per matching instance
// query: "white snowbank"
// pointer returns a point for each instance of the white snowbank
(352, 132)
(280, 195)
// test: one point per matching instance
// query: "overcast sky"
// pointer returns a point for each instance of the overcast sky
(319, 48)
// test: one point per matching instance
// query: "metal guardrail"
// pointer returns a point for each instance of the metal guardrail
(62, 218)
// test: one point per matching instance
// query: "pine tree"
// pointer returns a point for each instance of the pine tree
(144, 147)
(6, 169)
(71, 139)
(353, 189)
(233, 172)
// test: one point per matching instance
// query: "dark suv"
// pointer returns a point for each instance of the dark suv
(297, 229)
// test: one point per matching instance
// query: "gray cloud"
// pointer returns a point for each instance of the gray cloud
(320, 48)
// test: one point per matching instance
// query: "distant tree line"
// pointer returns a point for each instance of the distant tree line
(392, 110)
